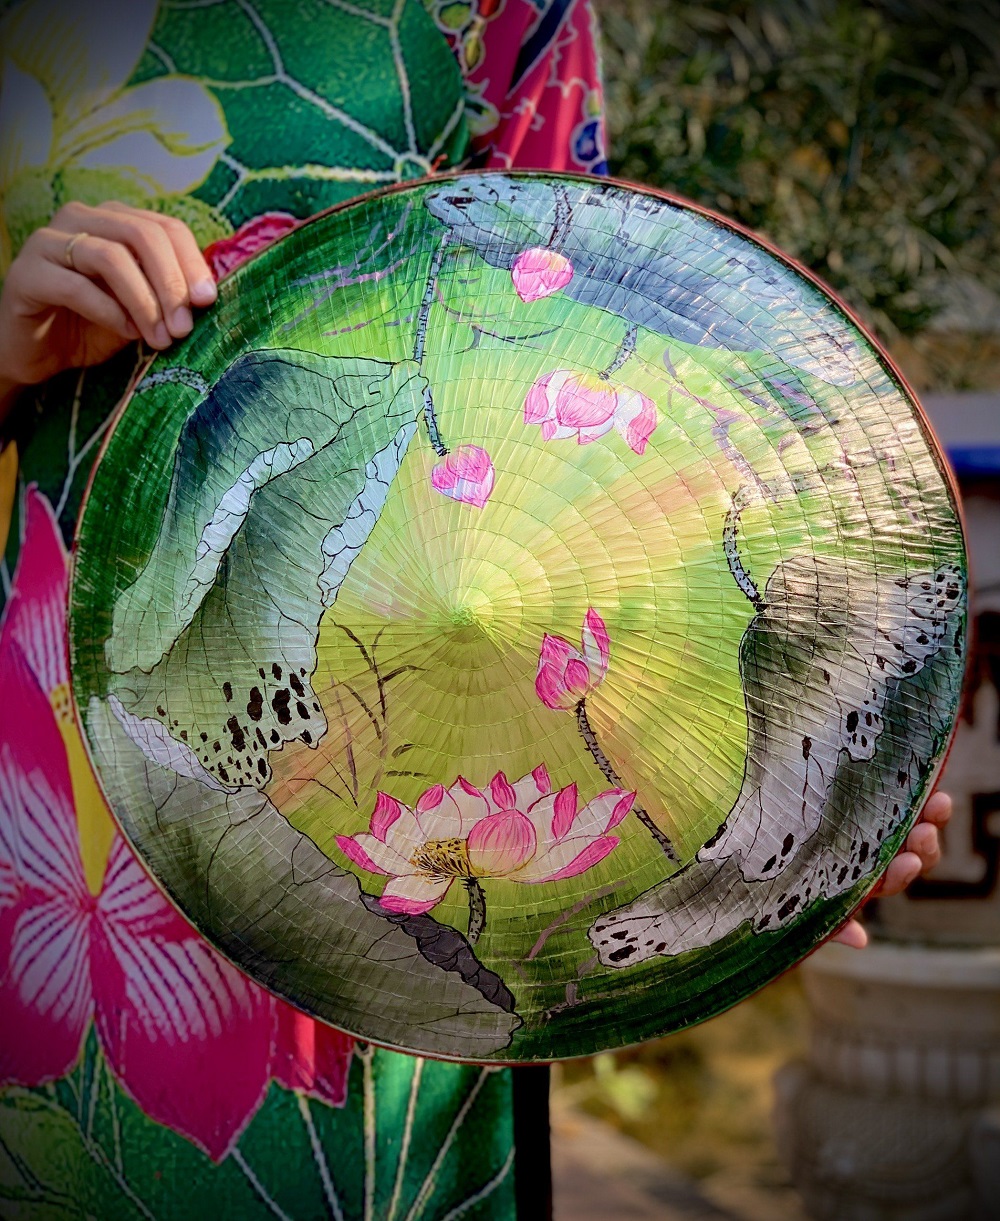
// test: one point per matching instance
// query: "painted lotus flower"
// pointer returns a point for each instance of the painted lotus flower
(540, 272)
(567, 675)
(86, 936)
(66, 109)
(585, 406)
(249, 239)
(523, 832)
(466, 474)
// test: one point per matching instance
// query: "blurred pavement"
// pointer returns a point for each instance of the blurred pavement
(599, 1174)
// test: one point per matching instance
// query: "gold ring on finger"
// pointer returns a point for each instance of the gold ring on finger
(68, 250)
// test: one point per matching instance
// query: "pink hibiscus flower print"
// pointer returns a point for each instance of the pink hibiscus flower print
(466, 474)
(567, 675)
(540, 272)
(309, 1056)
(85, 935)
(523, 832)
(252, 236)
(585, 406)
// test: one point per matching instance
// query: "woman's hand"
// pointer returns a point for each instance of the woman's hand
(920, 853)
(91, 281)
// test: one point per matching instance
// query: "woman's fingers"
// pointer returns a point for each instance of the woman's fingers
(921, 852)
(197, 274)
(851, 934)
(118, 241)
(116, 245)
(925, 841)
(938, 809)
(53, 285)
(97, 258)
(94, 276)
(903, 869)
(202, 289)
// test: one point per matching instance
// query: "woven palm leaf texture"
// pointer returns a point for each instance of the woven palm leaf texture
(523, 617)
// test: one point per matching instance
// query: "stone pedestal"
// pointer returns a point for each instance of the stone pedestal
(895, 1113)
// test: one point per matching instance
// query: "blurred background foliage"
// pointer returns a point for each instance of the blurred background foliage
(862, 138)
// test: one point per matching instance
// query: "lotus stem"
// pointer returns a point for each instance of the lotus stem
(430, 419)
(430, 416)
(625, 350)
(477, 909)
(731, 546)
(564, 213)
(604, 763)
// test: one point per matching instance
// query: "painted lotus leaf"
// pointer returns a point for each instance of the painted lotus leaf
(306, 923)
(693, 287)
(238, 557)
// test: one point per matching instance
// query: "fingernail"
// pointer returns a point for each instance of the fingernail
(161, 336)
(204, 292)
(181, 321)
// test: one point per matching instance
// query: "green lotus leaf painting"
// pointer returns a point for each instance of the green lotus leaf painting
(524, 616)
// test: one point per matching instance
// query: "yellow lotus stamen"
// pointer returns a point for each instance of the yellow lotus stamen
(443, 858)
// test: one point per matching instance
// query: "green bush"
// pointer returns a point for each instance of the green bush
(862, 138)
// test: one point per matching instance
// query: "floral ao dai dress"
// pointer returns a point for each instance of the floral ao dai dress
(141, 1075)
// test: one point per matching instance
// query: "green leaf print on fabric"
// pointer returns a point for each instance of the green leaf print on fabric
(44, 1168)
(402, 1149)
(373, 95)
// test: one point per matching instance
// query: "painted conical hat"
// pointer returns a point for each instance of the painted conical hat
(524, 616)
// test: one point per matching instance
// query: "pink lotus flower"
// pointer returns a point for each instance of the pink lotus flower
(252, 236)
(523, 832)
(585, 406)
(86, 936)
(565, 674)
(540, 272)
(466, 474)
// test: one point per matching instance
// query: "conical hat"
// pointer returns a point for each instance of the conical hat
(524, 617)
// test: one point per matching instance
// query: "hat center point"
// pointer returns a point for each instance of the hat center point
(470, 615)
